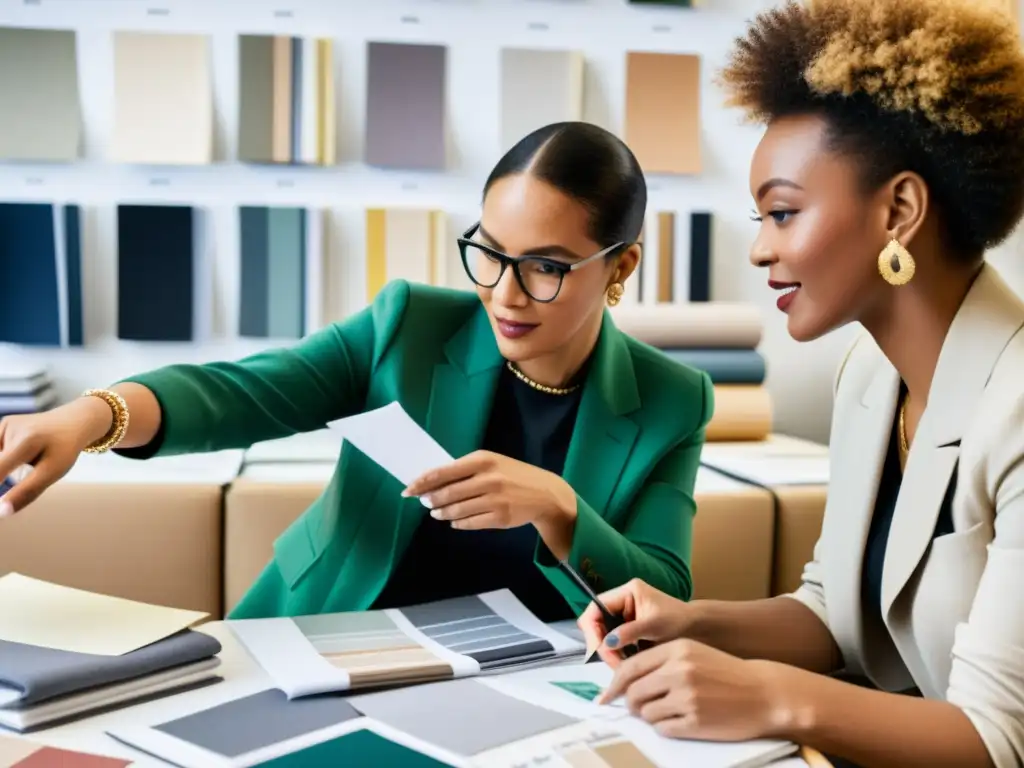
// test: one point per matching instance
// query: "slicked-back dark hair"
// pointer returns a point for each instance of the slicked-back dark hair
(590, 165)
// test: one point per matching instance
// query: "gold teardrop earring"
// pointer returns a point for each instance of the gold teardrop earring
(895, 264)
(614, 293)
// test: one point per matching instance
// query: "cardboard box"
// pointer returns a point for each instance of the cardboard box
(732, 548)
(148, 531)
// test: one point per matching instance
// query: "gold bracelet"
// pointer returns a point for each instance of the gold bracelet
(117, 431)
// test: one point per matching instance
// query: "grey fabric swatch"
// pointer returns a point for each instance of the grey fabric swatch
(258, 721)
(256, 98)
(45, 673)
(254, 233)
(39, 101)
(405, 106)
(463, 716)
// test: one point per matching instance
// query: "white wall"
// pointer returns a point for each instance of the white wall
(799, 375)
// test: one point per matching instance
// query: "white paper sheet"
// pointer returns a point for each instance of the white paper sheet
(772, 470)
(390, 437)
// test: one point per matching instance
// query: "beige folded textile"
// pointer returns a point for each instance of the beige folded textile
(742, 412)
(713, 324)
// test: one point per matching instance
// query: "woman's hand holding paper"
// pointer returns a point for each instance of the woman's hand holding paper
(488, 490)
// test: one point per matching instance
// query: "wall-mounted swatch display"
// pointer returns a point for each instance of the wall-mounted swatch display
(663, 111)
(538, 87)
(278, 248)
(39, 101)
(405, 243)
(40, 274)
(286, 111)
(676, 262)
(163, 99)
(164, 273)
(406, 102)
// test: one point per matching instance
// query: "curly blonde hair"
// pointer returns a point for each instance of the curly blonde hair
(932, 86)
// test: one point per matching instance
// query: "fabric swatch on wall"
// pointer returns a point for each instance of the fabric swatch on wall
(40, 275)
(163, 276)
(406, 244)
(325, 276)
(655, 279)
(286, 100)
(163, 99)
(40, 109)
(663, 111)
(538, 87)
(701, 256)
(405, 106)
(273, 272)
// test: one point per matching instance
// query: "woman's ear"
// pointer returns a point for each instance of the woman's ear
(626, 263)
(908, 202)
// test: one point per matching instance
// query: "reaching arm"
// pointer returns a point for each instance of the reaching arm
(197, 408)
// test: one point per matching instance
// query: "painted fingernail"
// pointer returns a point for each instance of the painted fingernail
(436, 514)
(405, 493)
(426, 502)
(612, 640)
(6, 510)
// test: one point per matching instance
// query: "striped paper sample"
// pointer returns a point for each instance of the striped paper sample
(405, 106)
(286, 100)
(163, 99)
(156, 273)
(538, 87)
(405, 243)
(39, 101)
(655, 279)
(40, 275)
(701, 257)
(663, 111)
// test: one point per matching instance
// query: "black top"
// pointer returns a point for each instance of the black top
(881, 522)
(441, 562)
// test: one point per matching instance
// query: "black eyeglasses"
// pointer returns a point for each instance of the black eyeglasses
(540, 277)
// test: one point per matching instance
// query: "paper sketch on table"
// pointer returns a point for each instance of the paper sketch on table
(390, 437)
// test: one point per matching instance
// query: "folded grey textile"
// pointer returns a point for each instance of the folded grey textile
(30, 674)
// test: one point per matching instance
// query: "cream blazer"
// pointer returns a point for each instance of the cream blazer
(953, 607)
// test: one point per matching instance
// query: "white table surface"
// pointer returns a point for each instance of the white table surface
(242, 676)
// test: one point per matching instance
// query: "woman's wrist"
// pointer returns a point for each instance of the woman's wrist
(94, 417)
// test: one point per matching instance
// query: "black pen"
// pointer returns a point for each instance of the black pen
(611, 620)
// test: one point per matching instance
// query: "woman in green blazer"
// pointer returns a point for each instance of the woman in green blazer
(575, 442)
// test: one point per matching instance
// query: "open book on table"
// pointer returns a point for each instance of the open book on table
(459, 637)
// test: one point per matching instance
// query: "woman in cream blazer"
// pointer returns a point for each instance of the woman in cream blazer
(893, 159)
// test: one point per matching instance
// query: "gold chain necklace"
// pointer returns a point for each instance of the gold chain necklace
(537, 385)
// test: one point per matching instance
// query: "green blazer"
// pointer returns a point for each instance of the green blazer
(632, 459)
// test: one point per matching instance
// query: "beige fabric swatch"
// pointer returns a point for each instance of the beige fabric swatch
(663, 111)
(538, 87)
(163, 99)
(35, 612)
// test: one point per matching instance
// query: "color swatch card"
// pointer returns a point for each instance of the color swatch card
(538, 87)
(22, 753)
(39, 97)
(263, 728)
(677, 259)
(278, 246)
(164, 273)
(406, 103)
(663, 111)
(163, 99)
(286, 110)
(455, 638)
(408, 244)
(40, 275)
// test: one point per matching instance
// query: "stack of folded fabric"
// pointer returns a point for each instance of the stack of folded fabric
(52, 680)
(720, 338)
(24, 388)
